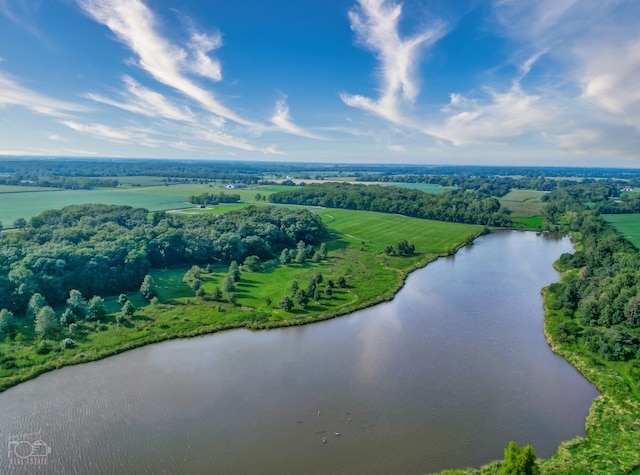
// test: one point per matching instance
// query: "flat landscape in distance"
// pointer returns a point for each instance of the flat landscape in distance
(525, 207)
(26, 202)
(628, 225)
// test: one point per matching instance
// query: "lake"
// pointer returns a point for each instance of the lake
(443, 376)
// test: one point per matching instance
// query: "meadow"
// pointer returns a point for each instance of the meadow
(523, 203)
(426, 187)
(355, 252)
(628, 225)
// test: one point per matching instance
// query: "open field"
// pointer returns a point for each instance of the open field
(371, 277)
(626, 224)
(23, 189)
(523, 203)
(154, 198)
(388, 229)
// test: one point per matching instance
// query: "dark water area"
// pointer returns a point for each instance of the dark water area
(443, 376)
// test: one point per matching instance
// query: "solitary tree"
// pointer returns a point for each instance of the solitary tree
(148, 288)
(234, 271)
(286, 303)
(7, 322)
(122, 299)
(95, 308)
(285, 257)
(323, 250)
(45, 322)
(36, 302)
(77, 304)
(128, 309)
(301, 254)
(294, 287)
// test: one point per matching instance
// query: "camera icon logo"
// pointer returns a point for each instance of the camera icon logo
(25, 452)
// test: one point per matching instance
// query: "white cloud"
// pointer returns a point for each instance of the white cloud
(135, 26)
(141, 100)
(13, 94)
(396, 148)
(283, 121)
(106, 132)
(55, 138)
(504, 116)
(376, 25)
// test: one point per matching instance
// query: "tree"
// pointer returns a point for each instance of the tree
(341, 282)
(36, 302)
(294, 287)
(77, 304)
(317, 278)
(20, 223)
(122, 299)
(217, 293)
(148, 289)
(67, 317)
(301, 298)
(267, 301)
(251, 264)
(286, 303)
(317, 258)
(95, 308)
(519, 461)
(7, 322)
(323, 250)
(228, 284)
(317, 295)
(258, 197)
(128, 309)
(45, 322)
(234, 271)
(301, 254)
(285, 257)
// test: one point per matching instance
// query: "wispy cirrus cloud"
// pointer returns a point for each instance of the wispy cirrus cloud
(14, 94)
(282, 120)
(595, 47)
(102, 131)
(141, 100)
(134, 24)
(376, 25)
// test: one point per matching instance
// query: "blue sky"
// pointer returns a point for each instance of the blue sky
(519, 82)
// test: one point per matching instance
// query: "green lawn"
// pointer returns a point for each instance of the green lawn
(523, 203)
(388, 229)
(23, 189)
(626, 224)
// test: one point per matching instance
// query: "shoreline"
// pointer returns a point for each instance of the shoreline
(83, 358)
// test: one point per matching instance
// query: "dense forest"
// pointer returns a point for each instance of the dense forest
(105, 250)
(450, 205)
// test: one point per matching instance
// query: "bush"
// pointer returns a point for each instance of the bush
(67, 343)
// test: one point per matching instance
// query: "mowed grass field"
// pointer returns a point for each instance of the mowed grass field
(627, 225)
(389, 229)
(523, 203)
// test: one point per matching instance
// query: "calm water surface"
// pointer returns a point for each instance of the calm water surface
(441, 377)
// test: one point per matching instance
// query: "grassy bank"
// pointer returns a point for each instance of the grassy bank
(371, 277)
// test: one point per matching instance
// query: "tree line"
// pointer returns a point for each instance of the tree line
(451, 205)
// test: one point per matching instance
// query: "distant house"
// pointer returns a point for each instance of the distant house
(235, 186)
(627, 188)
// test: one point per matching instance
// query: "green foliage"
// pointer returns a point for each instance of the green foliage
(128, 309)
(214, 199)
(46, 322)
(519, 461)
(67, 343)
(148, 288)
(286, 303)
(7, 323)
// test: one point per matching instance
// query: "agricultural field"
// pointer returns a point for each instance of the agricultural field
(388, 229)
(154, 198)
(23, 189)
(523, 203)
(628, 225)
